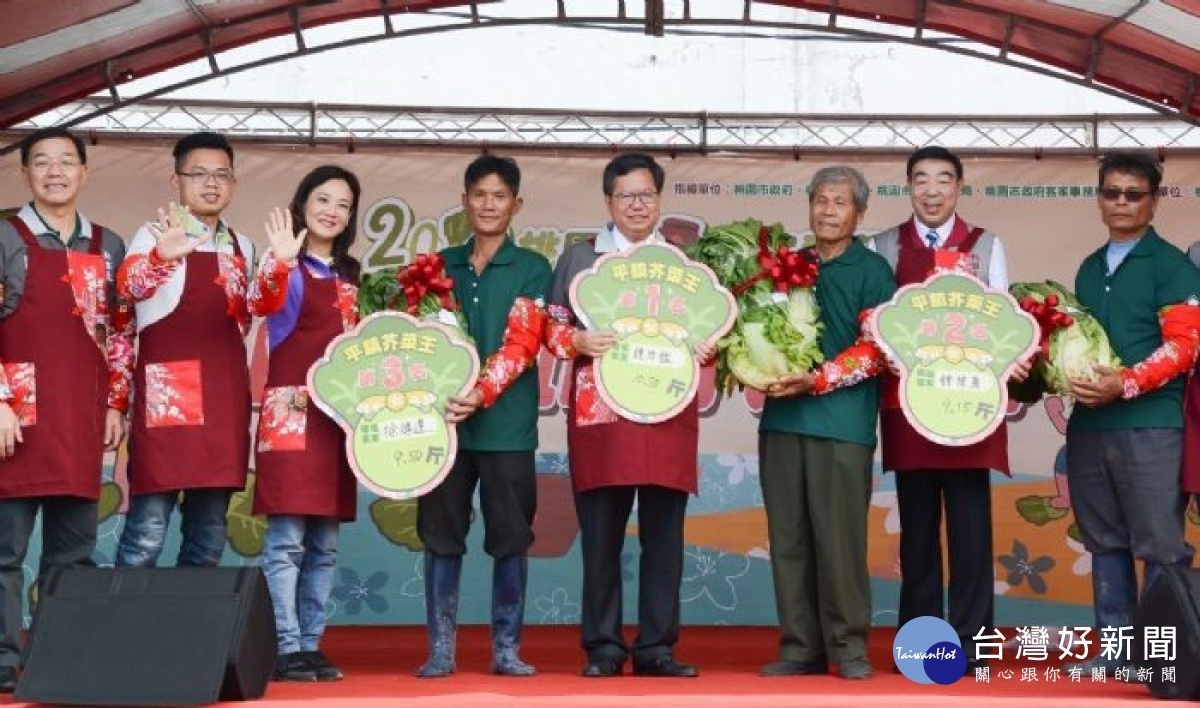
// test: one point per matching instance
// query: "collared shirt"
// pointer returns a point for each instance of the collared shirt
(612, 240)
(856, 280)
(14, 264)
(998, 263)
(1116, 252)
(1127, 303)
(486, 299)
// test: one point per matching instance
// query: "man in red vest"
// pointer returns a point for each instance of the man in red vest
(64, 373)
(933, 479)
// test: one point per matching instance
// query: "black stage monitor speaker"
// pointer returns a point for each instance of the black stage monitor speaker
(1173, 600)
(150, 636)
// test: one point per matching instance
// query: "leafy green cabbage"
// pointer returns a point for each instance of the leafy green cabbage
(775, 334)
(1075, 350)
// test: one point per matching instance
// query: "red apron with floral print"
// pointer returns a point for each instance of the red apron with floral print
(191, 422)
(300, 461)
(607, 450)
(58, 374)
(903, 448)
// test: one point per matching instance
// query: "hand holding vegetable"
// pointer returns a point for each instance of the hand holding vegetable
(1105, 389)
(791, 385)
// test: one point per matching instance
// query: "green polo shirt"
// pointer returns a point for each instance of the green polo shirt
(1127, 303)
(510, 425)
(857, 280)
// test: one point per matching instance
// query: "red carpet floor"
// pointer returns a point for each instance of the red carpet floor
(379, 664)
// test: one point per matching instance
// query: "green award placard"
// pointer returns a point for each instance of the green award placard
(955, 342)
(660, 304)
(385, 383)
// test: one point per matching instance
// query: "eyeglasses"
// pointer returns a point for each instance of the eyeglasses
(203, 176)
(1133, 196)
(626, 199)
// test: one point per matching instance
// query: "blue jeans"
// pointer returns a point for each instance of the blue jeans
(298, 559)
(202, 525)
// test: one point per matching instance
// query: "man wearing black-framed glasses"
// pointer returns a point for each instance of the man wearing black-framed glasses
(1125, 436)
(615, 461)
(188, 272)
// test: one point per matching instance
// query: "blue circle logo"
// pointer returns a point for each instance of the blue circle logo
(927, 650)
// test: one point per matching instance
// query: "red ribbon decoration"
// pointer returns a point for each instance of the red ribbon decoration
(426, 276)
(786, 268)
(1049, 318)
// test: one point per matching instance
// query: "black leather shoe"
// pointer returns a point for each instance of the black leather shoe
(664, 665)
(8, 679)
(602, 668)
(791, 667)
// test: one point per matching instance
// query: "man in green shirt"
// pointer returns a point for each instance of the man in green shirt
(1125, 436)
(502, 289)
(816, 444)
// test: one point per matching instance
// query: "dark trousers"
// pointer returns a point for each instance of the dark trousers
(817, 493)
(603, 515)
(1127, 500)
(966, 496)
(507, 496)
(68, 539)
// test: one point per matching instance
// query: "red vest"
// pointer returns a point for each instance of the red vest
(903, 448)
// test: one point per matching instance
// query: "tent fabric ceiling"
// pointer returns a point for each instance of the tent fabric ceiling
(57, 52)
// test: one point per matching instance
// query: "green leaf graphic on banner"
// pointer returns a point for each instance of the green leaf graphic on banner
(396, 520)
(455, 228)
(660, 304)
(247, 533)
(111, 497)
(1037, 510)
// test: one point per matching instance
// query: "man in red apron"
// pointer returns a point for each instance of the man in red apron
(64, 373)
(933, 479)
(614, 460)
(187, 272)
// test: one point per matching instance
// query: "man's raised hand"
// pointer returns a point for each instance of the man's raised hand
(172, 241)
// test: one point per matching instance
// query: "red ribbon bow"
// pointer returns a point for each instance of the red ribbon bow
(786, 268)
(426, 276)
(1049, 318)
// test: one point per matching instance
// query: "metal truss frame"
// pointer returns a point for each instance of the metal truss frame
(652, 17)
(361, 126)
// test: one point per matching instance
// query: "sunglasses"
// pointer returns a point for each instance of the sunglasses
(1133, 196)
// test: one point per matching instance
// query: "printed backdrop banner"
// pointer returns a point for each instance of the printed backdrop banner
(1043, 209)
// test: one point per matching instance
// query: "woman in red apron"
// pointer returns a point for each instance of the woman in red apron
(303, 483)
